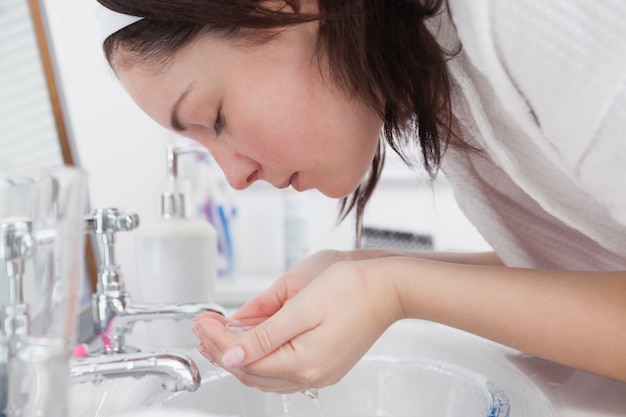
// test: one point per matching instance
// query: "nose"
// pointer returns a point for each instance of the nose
(240, 171)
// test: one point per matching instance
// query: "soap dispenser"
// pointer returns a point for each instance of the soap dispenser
(176, 260)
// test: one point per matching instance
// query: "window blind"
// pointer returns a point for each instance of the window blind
(28, 135)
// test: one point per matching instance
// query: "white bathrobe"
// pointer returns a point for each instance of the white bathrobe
(540, 86)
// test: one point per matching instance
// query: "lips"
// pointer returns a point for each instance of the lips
(285, 183)
(295, 182)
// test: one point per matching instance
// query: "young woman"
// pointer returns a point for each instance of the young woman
(521, 104)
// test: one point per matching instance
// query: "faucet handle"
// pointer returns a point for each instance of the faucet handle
(111, 220)
(127, 222)
(105, 222)
(16, 239)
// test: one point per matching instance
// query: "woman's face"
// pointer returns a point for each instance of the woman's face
(265, 112)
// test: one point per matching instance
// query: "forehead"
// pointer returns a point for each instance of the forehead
(150, 53)
(156, 89)
(214, 66)
(206, 63)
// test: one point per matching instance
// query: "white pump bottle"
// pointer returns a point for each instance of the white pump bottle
(176, 260)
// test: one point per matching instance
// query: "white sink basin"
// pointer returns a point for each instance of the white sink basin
(416, 365)
(377, 386)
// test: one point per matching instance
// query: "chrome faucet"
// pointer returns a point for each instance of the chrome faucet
(17, 244)
(115, 314)
(176, 370)
(114, 311)
(26, 357)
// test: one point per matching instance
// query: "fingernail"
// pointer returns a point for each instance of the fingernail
(233, 357)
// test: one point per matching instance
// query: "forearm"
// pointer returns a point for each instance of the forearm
(466, 258)
(574, 318)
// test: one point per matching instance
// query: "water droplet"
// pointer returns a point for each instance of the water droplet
(312, 393)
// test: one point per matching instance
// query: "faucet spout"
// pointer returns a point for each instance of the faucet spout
(177, 371)
(146, 312)
(116, 317)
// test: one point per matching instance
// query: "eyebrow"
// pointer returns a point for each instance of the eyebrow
(174, 120)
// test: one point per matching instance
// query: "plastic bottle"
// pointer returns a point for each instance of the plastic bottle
(176, 263)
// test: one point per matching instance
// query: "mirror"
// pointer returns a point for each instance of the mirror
(34, 129)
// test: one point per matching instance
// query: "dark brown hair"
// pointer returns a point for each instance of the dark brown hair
(378, 50)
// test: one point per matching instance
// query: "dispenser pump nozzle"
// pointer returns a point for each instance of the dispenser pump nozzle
(173, 201)
(172, 205)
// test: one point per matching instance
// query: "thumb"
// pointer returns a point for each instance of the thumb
(266, 338)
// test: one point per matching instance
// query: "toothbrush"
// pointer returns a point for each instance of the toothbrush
(100, 342)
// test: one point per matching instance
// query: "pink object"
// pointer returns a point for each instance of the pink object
(80, 351)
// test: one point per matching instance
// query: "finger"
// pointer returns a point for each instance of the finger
(264, 383)
(268, 384)
(213, 335)
(289, 322)
(265, 304)
(205, 353)
(301, 360)
(211, 315)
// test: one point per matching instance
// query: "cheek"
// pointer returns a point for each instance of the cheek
(279, 95)
(295, 120)
(266, 138)
(354, 149)
(273, 126)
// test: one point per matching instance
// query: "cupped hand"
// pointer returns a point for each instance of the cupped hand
(316, 328)
(287, 286)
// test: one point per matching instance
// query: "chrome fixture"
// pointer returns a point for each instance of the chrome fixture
(173, 201)
(177, 371)
(17, 244)
(25, 355)
(41, 248)
(115, 314)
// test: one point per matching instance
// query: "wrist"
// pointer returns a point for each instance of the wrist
(418, 284)
(376, 274)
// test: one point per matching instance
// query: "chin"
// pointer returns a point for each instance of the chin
(335, 192)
